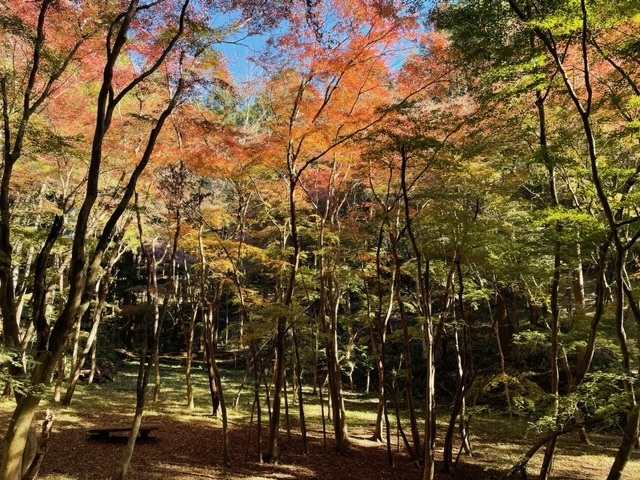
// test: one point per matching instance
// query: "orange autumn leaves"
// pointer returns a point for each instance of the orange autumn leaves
(331, 74)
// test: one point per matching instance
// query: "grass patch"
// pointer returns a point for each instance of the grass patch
(188, 443)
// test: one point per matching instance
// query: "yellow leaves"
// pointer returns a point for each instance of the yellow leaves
(216, 216)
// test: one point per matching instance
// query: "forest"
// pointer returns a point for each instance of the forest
(320, 239)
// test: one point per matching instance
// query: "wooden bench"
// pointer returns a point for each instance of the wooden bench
(104, 432)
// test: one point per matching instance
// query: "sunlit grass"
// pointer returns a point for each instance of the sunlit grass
(497, 440)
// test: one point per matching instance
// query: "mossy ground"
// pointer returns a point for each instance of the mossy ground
(188, 444)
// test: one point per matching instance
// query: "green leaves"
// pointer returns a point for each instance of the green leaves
(569, 226)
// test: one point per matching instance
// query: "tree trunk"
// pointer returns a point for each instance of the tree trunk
(19, 450)
(210, 340)
(76, 344)
(94, 362)
(430, 406)
(257, 373)
(271, 456)
(43, 444)
(547, 463)
(457, 411)
(272, 453)
(189, 359)
(504, 326)
(143, 370)
(630, 436)
(223, 408)
(57, 390)
(378, 331)
(81, 358)
(330, 299)
(298, 371)
(415, 434)
(578, 280)
(141, 390)
(458, 407)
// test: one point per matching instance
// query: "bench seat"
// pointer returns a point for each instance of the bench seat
(104, 432)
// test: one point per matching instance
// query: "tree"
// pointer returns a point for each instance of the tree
(24, 91)
(558, 37)
(319, 103)
(84, 269)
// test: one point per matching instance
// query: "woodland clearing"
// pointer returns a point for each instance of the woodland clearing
(188, 443)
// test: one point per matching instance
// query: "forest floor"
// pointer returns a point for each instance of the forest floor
(188, 443)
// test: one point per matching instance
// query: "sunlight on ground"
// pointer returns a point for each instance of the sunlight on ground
(497, 441)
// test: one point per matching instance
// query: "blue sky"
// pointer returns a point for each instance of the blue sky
(239, 48)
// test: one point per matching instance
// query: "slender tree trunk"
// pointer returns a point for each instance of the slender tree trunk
(94, 362)
(226, 456)
(76, 343)
(424, 297)
(272, 453)
(458, 407)
(286, 407)
(578, 280)
(145, 365)
(271, 456)
(430, 405)
(84, 268)
(630, 436)
(257, 373)
(378, 336)
(82, 356)
(57, 392)
(399, 428)
(547, 463)
(141, 394)
(457, 415)
(329, 303)
(210, 339)
(189, 359)
(337, 401)
(298, 371)
(415, 434)
(504, 326)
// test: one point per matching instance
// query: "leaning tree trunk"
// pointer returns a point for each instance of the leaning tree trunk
(152, 310)
(84, 269)
(141, 391)
(76, 368)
